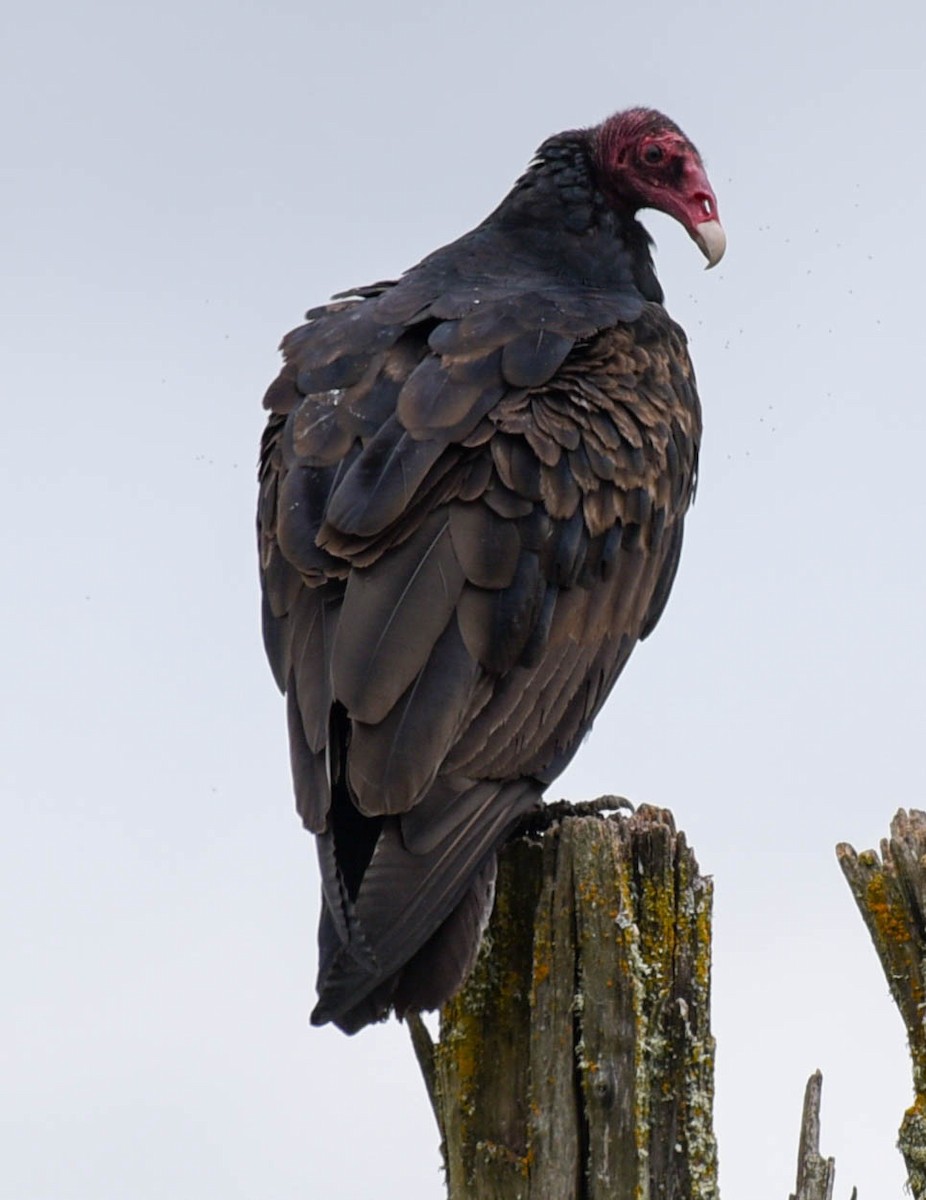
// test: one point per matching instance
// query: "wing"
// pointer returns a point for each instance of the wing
(471, 510)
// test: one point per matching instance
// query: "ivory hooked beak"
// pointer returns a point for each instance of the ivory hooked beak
(711, 240)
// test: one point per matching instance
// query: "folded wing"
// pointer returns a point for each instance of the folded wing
(471, 510)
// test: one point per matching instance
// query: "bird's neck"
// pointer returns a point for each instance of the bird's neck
(557, 207)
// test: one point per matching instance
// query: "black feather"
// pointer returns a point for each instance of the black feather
(534, 357)
(381, 481)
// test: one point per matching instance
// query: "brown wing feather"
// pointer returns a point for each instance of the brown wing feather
(494, 518)
(393, 614)
(394, 761)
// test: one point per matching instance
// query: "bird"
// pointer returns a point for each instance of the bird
(472, 487)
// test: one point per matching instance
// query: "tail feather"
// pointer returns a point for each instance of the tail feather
(441, 966)
(409, 937)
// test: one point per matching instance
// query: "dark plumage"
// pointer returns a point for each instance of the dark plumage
(472, 487)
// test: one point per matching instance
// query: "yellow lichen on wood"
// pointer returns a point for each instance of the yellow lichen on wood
(703, 942)
(887, 910)
(578, 1059)
(890, 891)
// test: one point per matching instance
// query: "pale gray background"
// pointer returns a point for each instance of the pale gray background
(179, 182)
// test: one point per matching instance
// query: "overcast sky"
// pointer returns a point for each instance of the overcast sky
(179, 182)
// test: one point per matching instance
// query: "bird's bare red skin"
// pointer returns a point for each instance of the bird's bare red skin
(675, 182)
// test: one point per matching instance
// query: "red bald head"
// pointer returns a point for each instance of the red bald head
(643, 160)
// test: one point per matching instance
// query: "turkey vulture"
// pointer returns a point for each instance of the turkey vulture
(472, 487)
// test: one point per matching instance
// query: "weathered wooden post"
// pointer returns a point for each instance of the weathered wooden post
(890, 892)
(578, 1060)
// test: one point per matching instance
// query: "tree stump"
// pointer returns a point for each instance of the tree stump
(578, 1061)
(890, 892)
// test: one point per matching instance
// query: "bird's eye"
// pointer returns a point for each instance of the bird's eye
(652, 155)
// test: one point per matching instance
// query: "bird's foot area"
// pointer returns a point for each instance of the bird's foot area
(547, 815)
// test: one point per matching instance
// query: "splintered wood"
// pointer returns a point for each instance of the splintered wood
(578, 1060)
(815, 1174)
(890, 891)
